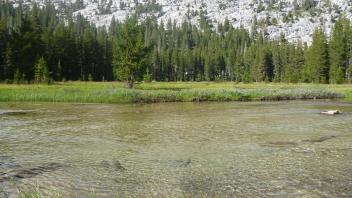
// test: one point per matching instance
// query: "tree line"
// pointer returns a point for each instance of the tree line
(42, 44)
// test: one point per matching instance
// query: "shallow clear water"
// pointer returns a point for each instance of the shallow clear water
(272, 149)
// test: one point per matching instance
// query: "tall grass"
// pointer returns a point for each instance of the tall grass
(80, 92)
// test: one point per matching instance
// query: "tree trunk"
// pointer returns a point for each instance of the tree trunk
(130, 83)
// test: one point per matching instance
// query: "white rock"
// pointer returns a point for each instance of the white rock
(239, 12)
(331, 112)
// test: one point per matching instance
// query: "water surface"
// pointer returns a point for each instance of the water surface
(272, 149)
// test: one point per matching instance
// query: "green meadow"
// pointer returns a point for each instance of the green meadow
(116, 92)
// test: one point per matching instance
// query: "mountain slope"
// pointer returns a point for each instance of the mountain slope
(296, 19)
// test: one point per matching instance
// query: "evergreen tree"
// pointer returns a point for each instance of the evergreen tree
(337, 53)
(59, 71)
(130, 53)
(41, 72)
(317, 60)
(295, 64)
(7, 65)
(3, 39)
(17, 76)
(27, 46)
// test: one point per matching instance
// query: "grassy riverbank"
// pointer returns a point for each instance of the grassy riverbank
(114, 92)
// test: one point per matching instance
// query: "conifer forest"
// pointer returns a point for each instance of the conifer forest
(42, 44)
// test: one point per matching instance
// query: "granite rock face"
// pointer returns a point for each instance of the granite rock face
(296, 19)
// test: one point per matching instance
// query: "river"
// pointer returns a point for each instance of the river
(248, 149)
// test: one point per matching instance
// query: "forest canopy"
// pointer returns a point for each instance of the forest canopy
(41, 43)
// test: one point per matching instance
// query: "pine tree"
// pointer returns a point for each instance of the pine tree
(295, 64)
(254, 28)
(317, 60)
(347, 28)
(277, 62)
(41, 72)
(17, 76)
(130, 53)
(27, 46)
(266, 68)
(337, 54)
(8, 67)
(3, 39)
(59, 71)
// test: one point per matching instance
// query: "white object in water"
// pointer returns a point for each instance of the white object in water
(331, 112)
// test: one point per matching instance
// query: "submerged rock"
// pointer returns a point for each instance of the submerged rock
(118, 165)
(105, 164)
(322, 139)
(15, 112)
(287, 143)
(281, 143)
(183, 163)
(115, 165)
(30, 172)
(7, 162)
